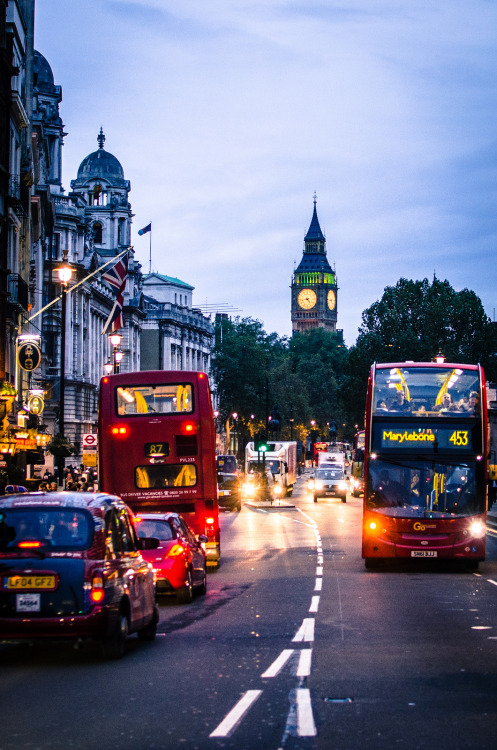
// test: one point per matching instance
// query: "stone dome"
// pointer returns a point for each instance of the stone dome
(42, 72)
(100, 164)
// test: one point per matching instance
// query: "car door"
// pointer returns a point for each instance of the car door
(134, 570)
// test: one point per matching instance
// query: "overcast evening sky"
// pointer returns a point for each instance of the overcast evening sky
(227, 115)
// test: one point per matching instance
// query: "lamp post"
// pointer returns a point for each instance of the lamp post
(64, 273)
(115, 340)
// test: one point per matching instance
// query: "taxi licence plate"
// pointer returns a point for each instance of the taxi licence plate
(28, 602)
(30, 582)
(423, 553)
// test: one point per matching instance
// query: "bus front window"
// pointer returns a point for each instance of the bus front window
(423, 488)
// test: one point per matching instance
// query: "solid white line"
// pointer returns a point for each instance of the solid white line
(305, 719)
(278, 663)
(304, 667)
(319, 570)
(314, 604)
(305, 632)
(231, 720)
(319, 584)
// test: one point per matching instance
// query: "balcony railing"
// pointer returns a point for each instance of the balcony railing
(18, 290)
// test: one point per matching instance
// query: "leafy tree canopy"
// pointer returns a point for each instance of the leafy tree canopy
(415, 320)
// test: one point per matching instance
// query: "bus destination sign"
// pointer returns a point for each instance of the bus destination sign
(438, 438)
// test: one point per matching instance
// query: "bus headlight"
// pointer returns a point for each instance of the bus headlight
(477, 529)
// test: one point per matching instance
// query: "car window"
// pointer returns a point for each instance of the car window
(112, 538)
(128, 541)
(161, 530)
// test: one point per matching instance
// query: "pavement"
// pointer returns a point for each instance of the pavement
(492, 517)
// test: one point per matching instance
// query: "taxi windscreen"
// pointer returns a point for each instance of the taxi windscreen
(45, 528)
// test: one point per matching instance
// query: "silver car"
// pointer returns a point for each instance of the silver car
(329, 482)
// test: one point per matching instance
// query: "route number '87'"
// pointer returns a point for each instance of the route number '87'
(459, 437)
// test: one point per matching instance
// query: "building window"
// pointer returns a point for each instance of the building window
(97, 233)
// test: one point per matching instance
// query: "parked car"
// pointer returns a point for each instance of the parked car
(179, 562)
(329, 482)
(71, 567)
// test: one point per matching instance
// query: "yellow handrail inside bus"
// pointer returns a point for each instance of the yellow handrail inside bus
(403, 387)
(443, 390)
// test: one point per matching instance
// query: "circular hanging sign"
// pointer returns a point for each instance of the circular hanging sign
(29, 356)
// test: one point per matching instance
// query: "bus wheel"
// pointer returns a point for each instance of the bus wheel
(185, 593)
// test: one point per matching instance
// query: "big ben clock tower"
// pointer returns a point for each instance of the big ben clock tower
(314, 286)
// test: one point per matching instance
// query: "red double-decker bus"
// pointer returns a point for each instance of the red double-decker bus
(157, 447)
(425, 462)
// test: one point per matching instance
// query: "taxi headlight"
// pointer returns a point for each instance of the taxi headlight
(249, 489)
(342, 485)
(477, 529)
(277, 490)
(318, 484)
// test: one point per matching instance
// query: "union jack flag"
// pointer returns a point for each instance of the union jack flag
(116, 276)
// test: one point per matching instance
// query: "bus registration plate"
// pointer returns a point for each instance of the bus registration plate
(423, 553)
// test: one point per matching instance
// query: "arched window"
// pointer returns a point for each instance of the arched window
(97, 233)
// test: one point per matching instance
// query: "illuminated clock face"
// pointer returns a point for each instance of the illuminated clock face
(332, 300)
(307, 299)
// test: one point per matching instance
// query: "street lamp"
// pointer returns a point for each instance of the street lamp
(64, 273)
(108, 367)
(115, 340)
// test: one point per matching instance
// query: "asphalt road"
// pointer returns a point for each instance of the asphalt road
(295, 645)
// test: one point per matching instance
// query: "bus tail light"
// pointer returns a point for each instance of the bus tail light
(120, 430)
(209, 525)
(97, 592)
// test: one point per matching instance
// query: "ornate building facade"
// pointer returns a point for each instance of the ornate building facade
(314, 284)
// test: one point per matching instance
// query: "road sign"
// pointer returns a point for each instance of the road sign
(90, 440)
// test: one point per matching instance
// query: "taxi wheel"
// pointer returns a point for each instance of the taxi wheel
(113, 646)
(149, 632)
(185, 593)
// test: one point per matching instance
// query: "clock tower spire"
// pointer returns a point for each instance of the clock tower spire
(314, 285)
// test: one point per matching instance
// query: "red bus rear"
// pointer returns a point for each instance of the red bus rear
(157, 447)
(425, 462)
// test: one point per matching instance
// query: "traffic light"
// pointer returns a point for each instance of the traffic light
(260, 443)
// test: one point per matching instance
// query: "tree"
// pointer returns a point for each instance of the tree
(415, 320)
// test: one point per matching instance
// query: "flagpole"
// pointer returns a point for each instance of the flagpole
(150, 254)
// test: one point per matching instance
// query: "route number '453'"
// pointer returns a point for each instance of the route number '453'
(459, 437)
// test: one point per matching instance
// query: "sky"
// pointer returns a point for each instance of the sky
(228, 115)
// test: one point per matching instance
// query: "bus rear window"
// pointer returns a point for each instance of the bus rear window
(172, 398)
(165, 475)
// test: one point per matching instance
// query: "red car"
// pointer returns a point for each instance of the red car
(71, 567)
(180, 561)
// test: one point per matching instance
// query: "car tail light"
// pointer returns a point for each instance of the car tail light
(176, 550)
(97, 592)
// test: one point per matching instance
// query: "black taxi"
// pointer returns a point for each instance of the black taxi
(71, 567)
